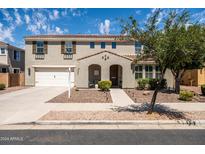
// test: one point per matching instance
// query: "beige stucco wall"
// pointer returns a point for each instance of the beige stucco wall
(81, 76)
(54, 56)
(4, 58)
(13, 63)
(8, 58)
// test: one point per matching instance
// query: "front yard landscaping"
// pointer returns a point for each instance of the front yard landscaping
(132, 112)
(165, 96)
(110, 115)
(83, 96)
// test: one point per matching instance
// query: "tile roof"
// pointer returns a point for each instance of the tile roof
(76, 36)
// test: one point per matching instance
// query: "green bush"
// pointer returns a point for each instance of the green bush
(151, 83)
(203, 89)
(185, 95)
(2, 86)
(104, 85)
(143, 83)
(154, 82)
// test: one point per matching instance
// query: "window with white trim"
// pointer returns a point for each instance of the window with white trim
(148, 71)
(68, 47)
(17, 55)
(138, 71)
(2, 51)
(158, 72)
(39, 47)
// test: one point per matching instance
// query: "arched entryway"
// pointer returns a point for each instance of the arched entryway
(94, 75)
(116, 76)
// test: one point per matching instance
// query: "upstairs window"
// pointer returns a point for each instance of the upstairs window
(113, 45)
(148, 71)
(102, 45)
(68, 47)
(39, 47)
(16, 55)
(2, 51)
(138, 72)
(92, 45)
(158, 72)
(138, 47)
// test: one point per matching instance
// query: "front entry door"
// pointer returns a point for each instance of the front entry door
(114, 75)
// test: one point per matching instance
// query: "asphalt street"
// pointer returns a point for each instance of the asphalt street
(104, 137)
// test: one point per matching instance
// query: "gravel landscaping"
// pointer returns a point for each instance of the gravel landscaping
(83, 96)
(12, 89)
(141, 96)
(110, 115)
(132, 112)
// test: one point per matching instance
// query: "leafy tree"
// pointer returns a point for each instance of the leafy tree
(185, 44)
(174, 45)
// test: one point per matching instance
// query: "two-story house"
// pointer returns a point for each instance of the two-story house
(12, 59)
(89, 58)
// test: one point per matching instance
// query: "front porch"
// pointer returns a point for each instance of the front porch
(95, 74)
(105, 66)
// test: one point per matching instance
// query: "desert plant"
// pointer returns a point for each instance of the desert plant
(104, 85)
(203, 89)
(185, 95)
(143, 83)
(2, 86)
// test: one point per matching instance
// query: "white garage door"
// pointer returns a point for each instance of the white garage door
(53, 77)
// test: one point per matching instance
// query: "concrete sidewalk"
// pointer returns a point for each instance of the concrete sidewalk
(120, 98)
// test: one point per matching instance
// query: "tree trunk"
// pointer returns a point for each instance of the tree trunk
(177, 84)
(154, 96)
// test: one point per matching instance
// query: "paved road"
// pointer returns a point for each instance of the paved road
(102, 137)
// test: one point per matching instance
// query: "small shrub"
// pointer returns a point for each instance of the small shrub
(203, 89)
(143, 83)
(186, 95)
(104, 85)
(153, 83)
(2, 86)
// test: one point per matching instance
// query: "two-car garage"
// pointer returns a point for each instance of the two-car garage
(54, 76)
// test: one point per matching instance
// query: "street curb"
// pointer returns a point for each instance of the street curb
(121, 122)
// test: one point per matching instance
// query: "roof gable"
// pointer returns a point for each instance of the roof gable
(104, 52)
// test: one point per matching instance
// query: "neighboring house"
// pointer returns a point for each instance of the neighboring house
(195, 77)
(90, 58)
(12, 59)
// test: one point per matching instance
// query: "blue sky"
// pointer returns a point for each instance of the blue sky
(17, 23)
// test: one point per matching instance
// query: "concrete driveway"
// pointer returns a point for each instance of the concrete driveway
(27, 105)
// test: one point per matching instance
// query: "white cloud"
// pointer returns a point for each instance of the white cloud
(6, 33)
(7, 16)
(138, 12)
(27, 19)
(104, 28)
(58, 30)
(18, 17)
(54, 15)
